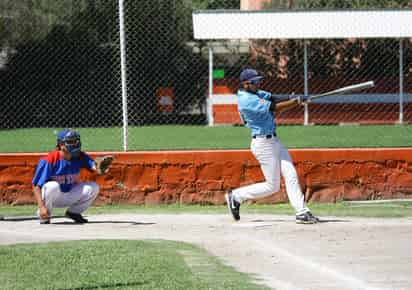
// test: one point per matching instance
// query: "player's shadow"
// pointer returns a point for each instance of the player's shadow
(271, 220)
(333, 221)
(107, 286)
(69, 222)
(25, 218)
(133, 223)
(321, 220)
(122, 222)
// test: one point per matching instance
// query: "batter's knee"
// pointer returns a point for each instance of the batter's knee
(292, 180)
(290, 174)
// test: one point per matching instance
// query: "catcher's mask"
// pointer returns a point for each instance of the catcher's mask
(71, 140)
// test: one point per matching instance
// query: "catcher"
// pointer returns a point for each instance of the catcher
(56, 182)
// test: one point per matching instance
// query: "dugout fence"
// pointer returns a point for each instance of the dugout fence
(126, 64)
(337, 48)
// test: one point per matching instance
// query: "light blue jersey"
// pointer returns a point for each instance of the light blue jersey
(255, 111)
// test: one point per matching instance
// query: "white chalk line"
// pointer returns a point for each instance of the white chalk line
(326, 270)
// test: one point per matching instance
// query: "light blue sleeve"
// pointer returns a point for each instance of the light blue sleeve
(256, 106)
(264, 95)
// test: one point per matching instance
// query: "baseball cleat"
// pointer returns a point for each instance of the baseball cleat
(233, 206)
(76, 217)
(306, 218)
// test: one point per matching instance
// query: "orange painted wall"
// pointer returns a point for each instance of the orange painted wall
(326, 175)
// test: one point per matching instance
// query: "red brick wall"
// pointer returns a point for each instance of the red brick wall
(326, 175)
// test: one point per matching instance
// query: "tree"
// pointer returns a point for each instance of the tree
(329, 58)
(216, 4)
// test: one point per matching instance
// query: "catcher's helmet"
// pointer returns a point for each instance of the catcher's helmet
(71, 140)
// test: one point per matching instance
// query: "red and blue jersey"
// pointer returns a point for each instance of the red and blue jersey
(54, 167)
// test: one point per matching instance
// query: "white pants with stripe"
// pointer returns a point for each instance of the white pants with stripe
(274, 160)
(78, 199)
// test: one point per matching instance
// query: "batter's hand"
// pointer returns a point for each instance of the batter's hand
(299, 99)
(44, 213)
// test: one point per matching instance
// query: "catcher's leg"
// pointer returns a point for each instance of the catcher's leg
(78, 200)
(50, 192)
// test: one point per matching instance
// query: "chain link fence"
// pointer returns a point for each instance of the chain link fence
(60, 66)
(331, 64)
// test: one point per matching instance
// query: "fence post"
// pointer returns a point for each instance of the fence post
(400, 81)
(209, 105)
(305, 76)
(123, 74)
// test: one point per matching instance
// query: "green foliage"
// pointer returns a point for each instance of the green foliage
(76, 45)
(158, 55)
(337, 4)
(223, 4)
(199, 4)
(216, 4)
(33, 20)
(331, 57)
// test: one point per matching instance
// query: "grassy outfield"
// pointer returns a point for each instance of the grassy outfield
(203, 137)
(116, 264)
(342, 209)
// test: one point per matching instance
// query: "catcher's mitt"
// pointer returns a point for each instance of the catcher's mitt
(103, 163)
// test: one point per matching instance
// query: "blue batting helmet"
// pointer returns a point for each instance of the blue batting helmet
(250, 75)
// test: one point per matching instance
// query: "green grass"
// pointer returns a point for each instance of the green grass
(146, 264)
(203, 137)
(342, 209)
(116, 264)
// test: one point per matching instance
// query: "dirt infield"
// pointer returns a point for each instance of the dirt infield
(339, 253)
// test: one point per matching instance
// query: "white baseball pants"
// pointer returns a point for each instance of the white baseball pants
(274, 159)
(77, 200)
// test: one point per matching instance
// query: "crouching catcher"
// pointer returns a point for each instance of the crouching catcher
(56, 182)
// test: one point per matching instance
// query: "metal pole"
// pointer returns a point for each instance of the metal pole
(123, 74)
(305, 76)
(209, 103)
(401, 81)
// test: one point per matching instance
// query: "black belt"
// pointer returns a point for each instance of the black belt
(267, 136)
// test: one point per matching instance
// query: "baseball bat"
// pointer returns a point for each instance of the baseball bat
(343, 90)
